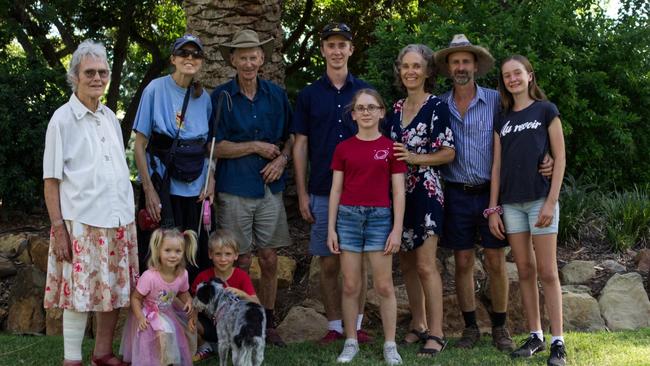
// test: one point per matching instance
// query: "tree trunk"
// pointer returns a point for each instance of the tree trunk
(216, 21)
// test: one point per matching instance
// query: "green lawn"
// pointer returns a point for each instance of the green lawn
(592, 349)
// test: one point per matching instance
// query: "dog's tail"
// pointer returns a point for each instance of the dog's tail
(252, 327)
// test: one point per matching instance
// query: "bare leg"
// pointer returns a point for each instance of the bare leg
(364, 284)
(408, 263)
(106, 322)
(495, 263)
(351, 270)
(524, 256)
(268, 286)
(545, 252)
(429, 277)
(382, 275)
(464, 276)
(329, 285)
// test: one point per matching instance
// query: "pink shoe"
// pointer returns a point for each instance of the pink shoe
(330, 337)
(363, 337)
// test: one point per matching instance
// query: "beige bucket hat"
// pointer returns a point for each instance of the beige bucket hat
(458, 44)
(245, 38)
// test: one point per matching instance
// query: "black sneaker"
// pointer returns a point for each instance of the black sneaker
(531, 346)
(558, 354)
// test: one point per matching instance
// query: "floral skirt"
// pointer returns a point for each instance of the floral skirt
(101, 274)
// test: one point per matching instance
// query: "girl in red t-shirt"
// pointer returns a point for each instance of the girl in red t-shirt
(360, 220)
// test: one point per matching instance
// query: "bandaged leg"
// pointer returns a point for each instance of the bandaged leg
(74, 327)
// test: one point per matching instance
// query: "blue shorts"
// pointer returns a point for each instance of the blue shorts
(318, 238)
(363, 229)
(521, 217)
(464, 222)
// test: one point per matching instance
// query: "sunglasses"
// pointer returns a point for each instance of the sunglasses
(336, 27)
(372, 108)
(90, 73)
(182, 52)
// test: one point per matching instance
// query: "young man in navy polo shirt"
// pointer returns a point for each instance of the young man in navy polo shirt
(321, 121)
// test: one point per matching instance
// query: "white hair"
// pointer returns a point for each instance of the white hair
(87, 48)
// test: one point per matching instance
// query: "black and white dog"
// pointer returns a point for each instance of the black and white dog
(240, 324)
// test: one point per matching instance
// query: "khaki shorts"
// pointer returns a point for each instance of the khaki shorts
(257, 223)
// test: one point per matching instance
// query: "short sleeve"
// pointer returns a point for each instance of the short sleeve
(338, 163)
(396, 166)
(441, 133)
(145, 283)
(245, 283)
(144, 117)
(551, 112)
(185, 282)
(53, 153)
(301, 115)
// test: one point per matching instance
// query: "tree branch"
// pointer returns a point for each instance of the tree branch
(300, 28)
(120, 51)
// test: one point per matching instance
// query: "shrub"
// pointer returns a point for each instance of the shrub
(626, 218)
(578, 201)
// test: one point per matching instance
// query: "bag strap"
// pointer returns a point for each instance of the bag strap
(172, 150)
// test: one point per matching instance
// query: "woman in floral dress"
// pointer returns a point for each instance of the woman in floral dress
(420, 128)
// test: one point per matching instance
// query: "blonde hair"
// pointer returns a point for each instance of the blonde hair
(187, 237)
(223, 239)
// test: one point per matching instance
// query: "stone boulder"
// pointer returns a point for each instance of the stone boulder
(302, 324)
(286, 269)
(578, 289)
(9, 244)
(38, 251)
(580, 311)
(26, 316)
(642, 260)
(314, 304)
(613, 266)
(624, 302)
(577, 272)
(517, 322)
(513, 274)
(54, 322)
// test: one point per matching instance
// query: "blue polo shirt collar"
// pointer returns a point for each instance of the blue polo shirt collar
(235, 89)
(349, 80)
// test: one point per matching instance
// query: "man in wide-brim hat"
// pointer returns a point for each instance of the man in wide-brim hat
(253, 147)
(467, 186)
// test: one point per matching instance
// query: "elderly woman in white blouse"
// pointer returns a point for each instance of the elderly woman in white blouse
(93, 259)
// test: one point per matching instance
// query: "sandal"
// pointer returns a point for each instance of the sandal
(430, 352)
(106, 360)
(422, 336)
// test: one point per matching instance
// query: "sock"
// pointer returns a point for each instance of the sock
(538, 333)
(557, 338)
(389, 344)
(74, 327)
(498, 319)
(270, 319)
(359, 321)
(336, 325)
(470, 318)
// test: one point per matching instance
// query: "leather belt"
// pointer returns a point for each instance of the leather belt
(470, 188)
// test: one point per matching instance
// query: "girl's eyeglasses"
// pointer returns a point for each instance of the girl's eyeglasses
(372, 108)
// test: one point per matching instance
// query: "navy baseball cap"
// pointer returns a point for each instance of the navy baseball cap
(185, 39)
(333, 29)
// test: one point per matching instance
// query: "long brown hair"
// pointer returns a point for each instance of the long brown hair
(534, 91)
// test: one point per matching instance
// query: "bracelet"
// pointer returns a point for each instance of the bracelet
(489, 211)
(286, 157)
(58, 222)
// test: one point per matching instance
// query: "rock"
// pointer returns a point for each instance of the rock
(453, 323)
(7, 268)
(450, 265)
(581, 312)
(314, 304)
(302, 324)
(403, 310)
(513, 275)
(642, 260)
(286, 268)
(26, 315)
(38, 250)
(613, 266)
(579, 289)
(624, 302)
(54, 322)
(517, 322)
(9, 245)
(577, 272)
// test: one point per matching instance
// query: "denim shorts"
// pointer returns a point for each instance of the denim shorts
(521, 217)
(363, 229)
(318, 236)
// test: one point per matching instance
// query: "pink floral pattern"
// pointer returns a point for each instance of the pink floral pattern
(102, 272)
(426, 133)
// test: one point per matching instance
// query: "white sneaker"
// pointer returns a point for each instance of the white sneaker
(391, 356)
(350, 349)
